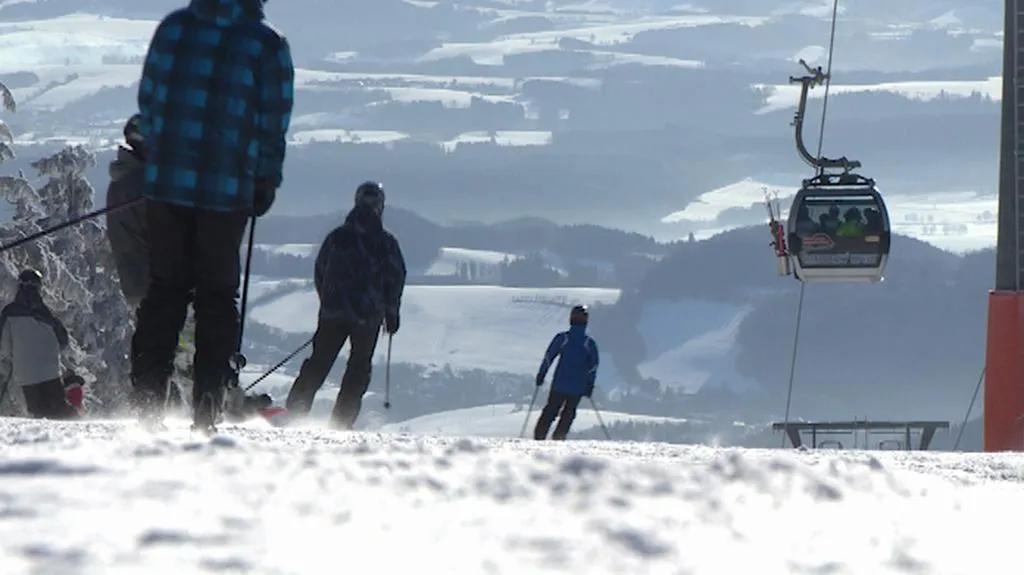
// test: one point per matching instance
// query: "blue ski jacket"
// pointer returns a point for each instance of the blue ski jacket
(577, 364)
(215, 101)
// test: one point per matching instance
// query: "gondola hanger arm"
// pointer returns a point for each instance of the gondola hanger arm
(814, 77)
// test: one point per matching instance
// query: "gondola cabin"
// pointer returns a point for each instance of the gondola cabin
(839, 232)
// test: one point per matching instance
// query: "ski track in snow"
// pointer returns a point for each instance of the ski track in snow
(103, 497)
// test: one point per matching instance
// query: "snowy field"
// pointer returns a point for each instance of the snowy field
(497, 420)
(958, 221)
(506, 330)
(449, 260)
(467, 327)
(90, 498)
(788, 95)
(506, 420)
(687, 356)
(298, 250)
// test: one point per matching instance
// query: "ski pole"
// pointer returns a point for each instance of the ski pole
(529, 410)
(69, 223)
(387, 375)
(288, 358)
(597, 412)
(238, 360)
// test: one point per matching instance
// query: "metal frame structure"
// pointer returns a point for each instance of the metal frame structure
(908, 429)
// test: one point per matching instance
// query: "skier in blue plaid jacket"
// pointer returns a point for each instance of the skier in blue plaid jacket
(215, 102)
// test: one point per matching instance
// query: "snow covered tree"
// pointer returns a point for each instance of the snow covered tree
(7, 104)
(80, 284)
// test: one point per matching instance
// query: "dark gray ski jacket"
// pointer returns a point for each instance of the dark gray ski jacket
(126, 228)
(360, 271)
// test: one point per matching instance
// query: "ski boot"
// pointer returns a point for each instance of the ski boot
(147, 403)
(206, 413)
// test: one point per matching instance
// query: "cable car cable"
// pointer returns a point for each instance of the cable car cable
(821, 170)
(792, 359)
(828, 81)
(970, 408)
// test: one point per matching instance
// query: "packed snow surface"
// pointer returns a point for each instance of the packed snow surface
(105, 498)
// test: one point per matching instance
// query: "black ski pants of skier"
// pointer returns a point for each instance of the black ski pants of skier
(328, 340)
(561, 405)
(48, 400)
(193, 256)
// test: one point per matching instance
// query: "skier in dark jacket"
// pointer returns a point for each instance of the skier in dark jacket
(359, 278)
(215, 102)
(129, 241)
(574, 377)
(126, 227)
(31, 342)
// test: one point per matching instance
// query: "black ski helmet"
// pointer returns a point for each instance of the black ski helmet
(30, 278)
(132, 132)
(371, 194)
(579, 315)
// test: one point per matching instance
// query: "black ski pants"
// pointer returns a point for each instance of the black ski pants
(48, 400)
(561, 405)
(328, 340)
(193, 256)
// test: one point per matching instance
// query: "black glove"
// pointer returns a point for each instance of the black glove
(254, 403)
(589, 391)
(263, 197)
(72, 378)
(391, 322)
(540, 380)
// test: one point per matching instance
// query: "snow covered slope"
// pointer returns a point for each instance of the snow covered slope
(467, 327)
(91, 498)
(690, 343)
(449, 260)
(506, 420)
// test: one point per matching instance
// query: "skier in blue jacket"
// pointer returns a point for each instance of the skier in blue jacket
(574, 376)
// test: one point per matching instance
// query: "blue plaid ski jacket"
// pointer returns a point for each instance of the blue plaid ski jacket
(215, 100)
(577, 363)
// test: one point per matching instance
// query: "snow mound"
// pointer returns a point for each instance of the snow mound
(102, 498)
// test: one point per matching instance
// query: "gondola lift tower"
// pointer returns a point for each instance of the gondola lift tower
(1003, 416)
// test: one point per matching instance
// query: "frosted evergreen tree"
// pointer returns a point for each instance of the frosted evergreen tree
(7, 104)
(80, 282)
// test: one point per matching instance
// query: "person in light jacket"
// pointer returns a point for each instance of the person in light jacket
(31, 342)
